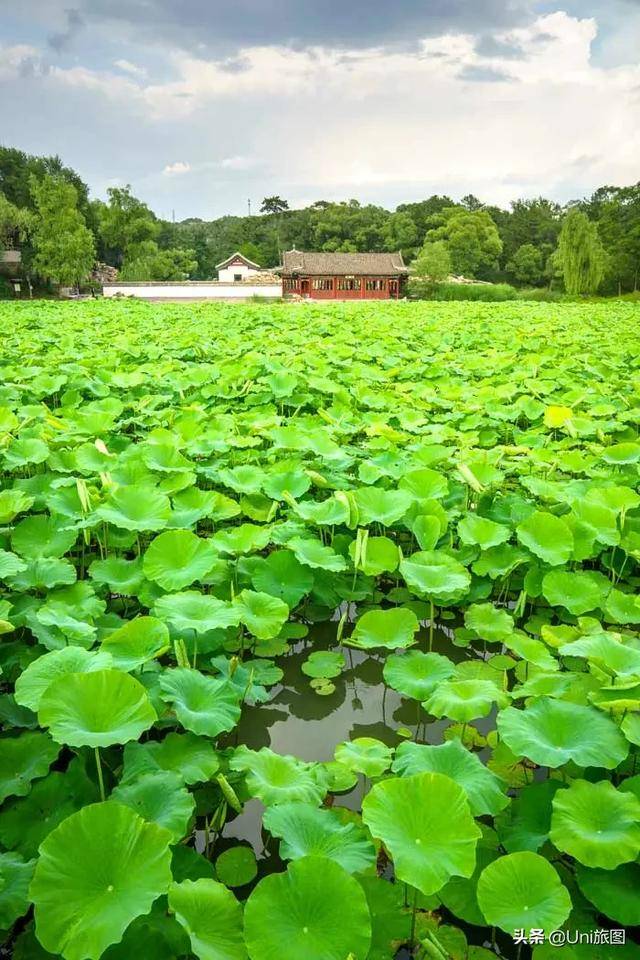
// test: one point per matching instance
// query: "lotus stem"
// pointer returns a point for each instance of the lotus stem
(103, 795)
(431, 618)
(412, 935)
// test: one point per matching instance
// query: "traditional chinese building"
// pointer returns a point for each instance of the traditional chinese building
(237, 268)
(343, 276)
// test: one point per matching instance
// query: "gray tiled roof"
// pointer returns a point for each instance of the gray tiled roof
(343, 264)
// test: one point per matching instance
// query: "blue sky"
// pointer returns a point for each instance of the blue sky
(203, 104)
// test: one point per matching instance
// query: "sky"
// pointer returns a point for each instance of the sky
(203, 105)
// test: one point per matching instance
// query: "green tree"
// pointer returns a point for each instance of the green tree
(400, 232)
(536, 221)
(274, 205)
(64, 248)
(433, 261)
(125, 224)
(471, 237)
(581, 256)
(151, 263)
(527, 265)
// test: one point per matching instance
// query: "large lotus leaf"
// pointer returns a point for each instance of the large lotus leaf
(96, 709)
(425, 823)
(15, 877)
(98, 870)
(10, 565)
(473, 529)
(380, 555)
(315, 910)
(156, 936)
(548, 536)
(464, 700)
(137, 507)
(247, 538)
(596, 824)
(416, 674)
(278, 778)
(390, 918)
(521, 891)
(630, 726)
(137, 642)
(164, 457)
(40, 674)
(283, 576)
(193, 504)
(526, 823)
(72, 611)
(23, 759)
(484, 790)
(382, 506)
(394, 629)
(306, 830)
(364, 755)
(161, 798)
(607, 652)
(178, 557)
(622, 453)
(578, 592)
(43, 573)
(120, 575)
(488, 622)
(286, 477)
(13, 502)
(330, 512)
(435, 575)
(191, 610)
(459, 895)
(23, 451)
(500, 561)
(192, 758)
(313, 553)
(42, 536)
(552, 732)
(262, 614)
(615, 893)
(243, 479)
(204, 705)
(212, 917)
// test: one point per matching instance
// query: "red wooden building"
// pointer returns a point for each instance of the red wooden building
(343, 276)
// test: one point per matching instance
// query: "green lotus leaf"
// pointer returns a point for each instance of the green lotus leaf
(191, 610)
(160, 798)
(120, 575)
(465, 700)
(630, 726)
(139, 507)
(382, 506)
(425, 484)
(15, 877)
(364, 755)
(178, 557)
(286, 477)
(191, 758)
(473, 529)
(596, 824)
(43, 573)
(500, 561)
(301, 913)
(330, 512)
(390, 919)
(460, 894)
(10, 565)
(340, 778)
(247, 538)
(547, 536)
(42, 536)
(621, 453)
(488, 622)
(283, 576)
(523, 891)
(95, 709)
(22, 759)
(21, 452)
(394, 629)
(323, 663)
(380, 555)
(416, 674)
(532, 650)
(306, 830)
(278, 778)
(526, 823)
(435, 575)
(137, 642)
(237, 866)
(203, 705)
(426, 851)
(193, 504)
(164, 458)
(578, 592)
(262, 614)
(614, 893)
(212, 917)
(40, 674)
(13, 502)
(98, 870)
(243, 479)
(622, 607)
(72, 611)
(312, 553)
(552, 732)
(607, 652)
(484, 790)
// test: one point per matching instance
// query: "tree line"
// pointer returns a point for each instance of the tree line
(587, 246)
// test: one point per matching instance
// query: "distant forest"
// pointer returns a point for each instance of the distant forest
(588, 245)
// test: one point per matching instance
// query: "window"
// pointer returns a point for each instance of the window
(289, 284)
(349, 283)
(376, 284)
(237, 277)
(323, 283)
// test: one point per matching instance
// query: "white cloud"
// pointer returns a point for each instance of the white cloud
(237, 163)
(177, 168)
(127, 67)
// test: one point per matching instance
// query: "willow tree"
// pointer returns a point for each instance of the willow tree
(580, 256)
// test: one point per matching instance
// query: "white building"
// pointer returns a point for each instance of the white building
(236, 268)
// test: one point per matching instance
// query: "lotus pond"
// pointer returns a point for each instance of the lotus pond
(319, 631)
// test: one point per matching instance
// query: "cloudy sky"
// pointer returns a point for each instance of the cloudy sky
(203, 104)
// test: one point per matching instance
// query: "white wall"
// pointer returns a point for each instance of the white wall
(193, 290)
(228, 273)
